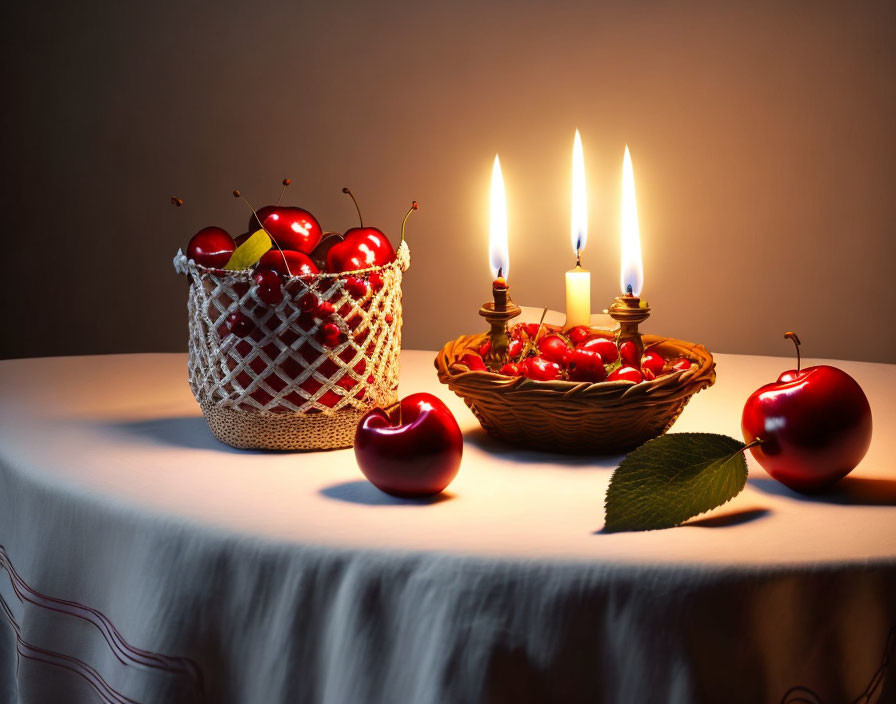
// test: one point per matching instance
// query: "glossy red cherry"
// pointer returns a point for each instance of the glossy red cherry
(813, 426)
(653, 361)
(586, 366)
(485, 348)
(680, 365)
(288, 262)
(473, 362)
(531, 329)
(361, 248)
(356, 286)
(308, 303)
(554, 348)
(292, 228)
(510, 369)
(540, 369)
(628, 353)
(415, 450)
(268, 286)
(324, 310)
(514, 348)
(626, 374)
(579, 334)
(211, 247)
(376, 281)
(329, 334)
(240, 324)
(388, 318)
(604, 347)
(240, 239)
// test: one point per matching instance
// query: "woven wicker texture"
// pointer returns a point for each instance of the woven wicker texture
(281, 387)
(576, 417)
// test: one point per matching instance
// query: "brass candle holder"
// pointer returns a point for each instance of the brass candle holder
(629, 311)
(498, 312)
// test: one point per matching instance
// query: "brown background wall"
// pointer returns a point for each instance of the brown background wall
(762, 136)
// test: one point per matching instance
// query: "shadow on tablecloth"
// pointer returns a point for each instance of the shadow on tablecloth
(849, 491)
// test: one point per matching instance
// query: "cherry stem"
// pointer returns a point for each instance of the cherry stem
(413, 207)
(531, 341)
(237, 194)
(354, 200)
(796, 343)
(286, 183)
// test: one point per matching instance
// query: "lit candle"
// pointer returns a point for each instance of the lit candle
(497, 238)
(631, 272)
(578, 280)
(629, 310)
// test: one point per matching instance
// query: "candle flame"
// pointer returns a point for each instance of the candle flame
(632, 269)
(497, 241)
(579, 220)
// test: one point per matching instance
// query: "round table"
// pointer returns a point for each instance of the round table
(144, 561)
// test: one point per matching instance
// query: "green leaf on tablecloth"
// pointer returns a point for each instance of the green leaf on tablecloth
(673, 478)
(249, 251)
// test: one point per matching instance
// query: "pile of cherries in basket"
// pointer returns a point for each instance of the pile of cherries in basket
(301, 249)
(577, 354)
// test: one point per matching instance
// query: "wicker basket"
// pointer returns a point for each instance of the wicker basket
(576, 417)
(281, 388)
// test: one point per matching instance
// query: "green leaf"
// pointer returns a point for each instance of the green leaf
(673, 478)
(249, 251)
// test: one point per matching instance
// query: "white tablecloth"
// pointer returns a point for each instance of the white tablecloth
(143, 559)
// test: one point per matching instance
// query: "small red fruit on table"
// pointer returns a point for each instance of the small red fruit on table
(811, 427)
(412, 451)
(211, 247)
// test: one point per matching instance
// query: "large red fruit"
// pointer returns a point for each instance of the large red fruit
(293, 228)
(211, 247)
(362, 247)
(585, 365)
(814, 427)
(540, 369)
(288, 262)
(413, 451)
(554, 348)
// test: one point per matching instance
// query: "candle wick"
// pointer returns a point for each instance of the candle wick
(579, 258)
(500, 272)
(628, 290)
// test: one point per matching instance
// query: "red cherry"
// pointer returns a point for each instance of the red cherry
(604, 347)
(308, 303)
(484, 348)
(389, 318)
(579, 334)
(585, 365)
(288, 262)
(681, 365)
(292, 228)
(514, 348)
(510, 369)
(540, 369)
(239, 239)
(653, 361)
(629, 354)
(356, 286)
(415, 450)
(626, 374)
(239, 324)
(531, 329)
(473, 362)
(269, 286)
(813, 426)
(211, 247)
(329, 334)
(361, 248)
(554, 348)
(376, 281)
(324, 310)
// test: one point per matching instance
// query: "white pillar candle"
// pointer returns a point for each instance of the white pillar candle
(578, 280)
(578, 297)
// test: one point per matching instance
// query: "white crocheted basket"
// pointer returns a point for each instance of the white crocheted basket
(281, 387)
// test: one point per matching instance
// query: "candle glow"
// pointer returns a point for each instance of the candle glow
(632, 269)
(579, 219)
(497, 241)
